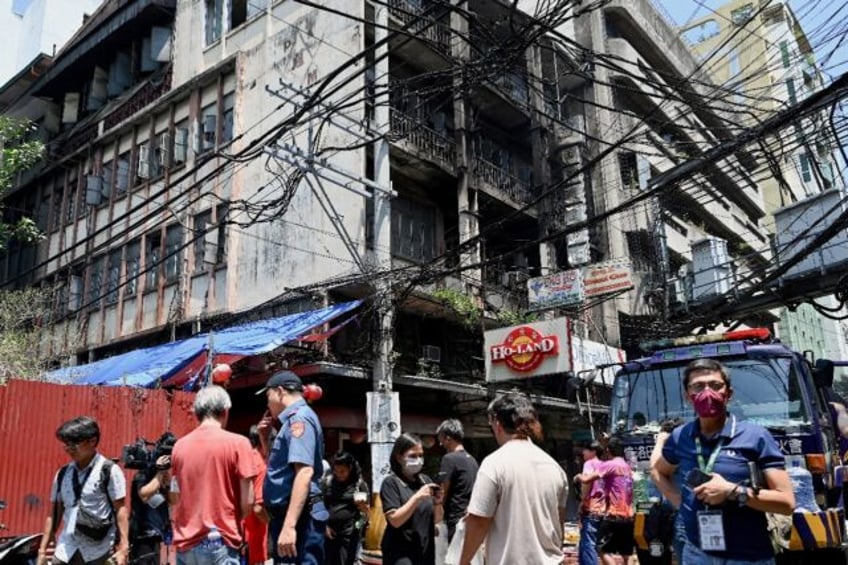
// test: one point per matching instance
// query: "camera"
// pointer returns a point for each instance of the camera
(143, 454)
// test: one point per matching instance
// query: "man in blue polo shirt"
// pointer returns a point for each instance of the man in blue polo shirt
(704, 471)
(292, 491)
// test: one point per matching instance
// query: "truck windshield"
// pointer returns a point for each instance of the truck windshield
(765, 391)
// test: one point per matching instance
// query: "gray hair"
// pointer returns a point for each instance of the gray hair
(452, 429)
(212, 401)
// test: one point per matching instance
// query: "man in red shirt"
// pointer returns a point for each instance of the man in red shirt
(212, 485)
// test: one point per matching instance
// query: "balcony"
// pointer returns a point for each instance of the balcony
(411, 135)
(500, 183)
(432, 33)
(514, 86)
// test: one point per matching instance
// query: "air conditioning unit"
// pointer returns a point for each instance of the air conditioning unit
(513, 279)
(75, 289)
(144, 161)
(431, 353)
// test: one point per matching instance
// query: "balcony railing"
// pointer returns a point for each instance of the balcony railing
(513, 85)
(502, 180)
(409, 14)
(428, 142)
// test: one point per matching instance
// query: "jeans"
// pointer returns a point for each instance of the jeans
(692, 555)
(587, 553)
(204, 555)
(678, 542)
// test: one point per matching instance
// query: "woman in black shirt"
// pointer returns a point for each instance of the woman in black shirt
(412, 504)
(346, 496)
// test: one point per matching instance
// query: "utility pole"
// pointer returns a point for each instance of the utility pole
(381, 431)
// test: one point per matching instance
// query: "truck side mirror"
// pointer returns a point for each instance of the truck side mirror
(823, 373)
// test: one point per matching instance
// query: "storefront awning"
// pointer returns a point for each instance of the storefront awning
(151, 366)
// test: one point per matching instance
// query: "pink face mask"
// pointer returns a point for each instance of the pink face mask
(709, 403)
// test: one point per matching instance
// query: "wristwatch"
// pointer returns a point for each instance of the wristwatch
(742, 495)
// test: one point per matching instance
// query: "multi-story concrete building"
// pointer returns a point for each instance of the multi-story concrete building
(35, 27)
(766, 61)
(212, 159)
(649, 93)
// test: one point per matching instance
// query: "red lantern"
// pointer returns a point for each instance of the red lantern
(221, 373)
(312, 392)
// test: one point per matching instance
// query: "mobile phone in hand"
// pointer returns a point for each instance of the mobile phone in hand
(697, 477)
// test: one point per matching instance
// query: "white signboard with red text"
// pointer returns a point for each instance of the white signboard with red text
(527, 350)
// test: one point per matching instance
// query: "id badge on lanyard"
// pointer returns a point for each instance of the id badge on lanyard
(710, 522)
(711, 530)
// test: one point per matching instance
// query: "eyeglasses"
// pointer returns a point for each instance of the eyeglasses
(715, 385)
(72, 445)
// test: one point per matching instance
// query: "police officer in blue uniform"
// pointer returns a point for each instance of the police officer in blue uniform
(292, 492)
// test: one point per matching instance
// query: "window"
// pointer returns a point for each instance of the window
(208, 127)
(95, 281)
(806, 168)
(214, 17)
(221, 250)
(152, 259)
(58, 194)
(181, 142)
(790, 88)
(122, 173)
(227, 118)
(784, 54)
(629, 169)
(238, 12)
(61, 298)
(43, 215)
(413, 230)
(173, 257)
(160, 159)
(107, 173)
(73, 197)
(132, 261)
(142, 169)
(113, 277)
(202, 222)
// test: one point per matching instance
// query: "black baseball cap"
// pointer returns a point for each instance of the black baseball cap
(285, 379)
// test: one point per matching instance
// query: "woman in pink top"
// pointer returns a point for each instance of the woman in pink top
(615, 534)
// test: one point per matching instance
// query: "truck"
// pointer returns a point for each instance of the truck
(787, 392)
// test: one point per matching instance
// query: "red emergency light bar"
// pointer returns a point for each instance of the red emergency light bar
(753, 334)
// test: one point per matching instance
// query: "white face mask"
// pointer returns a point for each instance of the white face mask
(413, 465)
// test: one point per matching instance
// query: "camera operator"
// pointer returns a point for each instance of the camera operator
(150, 523)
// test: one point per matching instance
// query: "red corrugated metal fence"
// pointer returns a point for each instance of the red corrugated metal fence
(30, 413)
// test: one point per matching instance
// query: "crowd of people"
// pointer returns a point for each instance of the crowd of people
(219, 498)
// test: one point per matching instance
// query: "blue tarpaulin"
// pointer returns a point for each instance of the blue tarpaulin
(152, 365)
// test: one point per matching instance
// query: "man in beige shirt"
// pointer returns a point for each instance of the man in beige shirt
(518, 501)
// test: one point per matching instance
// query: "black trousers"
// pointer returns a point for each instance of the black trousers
(342, 549)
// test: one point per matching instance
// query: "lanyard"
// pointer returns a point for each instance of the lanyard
(708, 466)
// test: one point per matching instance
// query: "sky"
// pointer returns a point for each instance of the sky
(824, 22)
